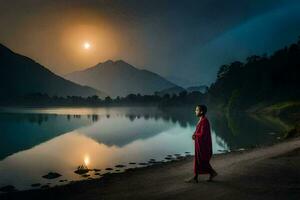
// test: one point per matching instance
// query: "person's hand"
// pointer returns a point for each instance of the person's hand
(193, 137)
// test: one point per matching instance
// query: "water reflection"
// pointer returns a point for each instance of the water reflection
(23, 131)
(242, 131)
(37, 141)
(64, 153)
(120, 131)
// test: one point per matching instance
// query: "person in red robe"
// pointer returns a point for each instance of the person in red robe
(203, 146)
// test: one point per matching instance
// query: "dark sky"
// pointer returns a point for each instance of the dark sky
(183, 40)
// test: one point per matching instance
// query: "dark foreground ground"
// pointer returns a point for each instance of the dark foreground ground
(271, 172)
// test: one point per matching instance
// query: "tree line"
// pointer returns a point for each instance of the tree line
(261, 79)
(43, 99)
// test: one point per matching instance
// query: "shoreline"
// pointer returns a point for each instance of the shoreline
(164, 180)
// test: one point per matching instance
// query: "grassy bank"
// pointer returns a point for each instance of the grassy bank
(285, 114)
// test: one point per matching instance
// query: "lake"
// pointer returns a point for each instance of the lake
(35, 141)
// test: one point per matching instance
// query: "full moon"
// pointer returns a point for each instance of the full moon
(86, 45)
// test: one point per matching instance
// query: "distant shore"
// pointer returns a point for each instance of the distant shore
(268, 172)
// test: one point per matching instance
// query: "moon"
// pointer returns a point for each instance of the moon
(86, 45)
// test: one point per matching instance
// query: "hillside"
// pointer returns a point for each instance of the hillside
(20, 75)
(120, 79)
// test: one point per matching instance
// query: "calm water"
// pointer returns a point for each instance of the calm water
(36, 141)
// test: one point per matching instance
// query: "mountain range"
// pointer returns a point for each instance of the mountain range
(20, 75)
(118, 78)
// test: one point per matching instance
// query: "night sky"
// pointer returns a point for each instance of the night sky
(183, 40)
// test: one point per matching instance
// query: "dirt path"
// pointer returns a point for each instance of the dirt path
(264, 173)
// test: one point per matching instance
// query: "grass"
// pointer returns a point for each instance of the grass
(287, 114)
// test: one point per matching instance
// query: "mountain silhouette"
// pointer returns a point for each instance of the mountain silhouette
(20, 75)
(120, 79)
(171, 91)
(202, 88)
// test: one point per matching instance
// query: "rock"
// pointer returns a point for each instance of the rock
(45, 186)
(97, 170)
(107, 173)
(156, 162)
(132, 163)
(35, 185)
(98, 174)
(142, 163)
(152, 160)
(223, 151)
(85, 175)
(120, 166)
(81, 170)
(109, 168)
(51, 175)
(8, 188)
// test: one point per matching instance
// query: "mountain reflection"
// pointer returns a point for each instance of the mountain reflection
(23, 131)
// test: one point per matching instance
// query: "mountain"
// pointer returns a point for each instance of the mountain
(182, 82)
(120, 79)
(173, 90)
(202, 88)
(20, 75)
(176, 90)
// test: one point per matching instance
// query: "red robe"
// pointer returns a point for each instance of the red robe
(203, 147)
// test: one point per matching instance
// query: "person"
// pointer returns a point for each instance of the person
(203, 146)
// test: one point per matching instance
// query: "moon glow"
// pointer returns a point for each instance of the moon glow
(86, 45)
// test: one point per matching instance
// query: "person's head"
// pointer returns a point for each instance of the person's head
(200, 110)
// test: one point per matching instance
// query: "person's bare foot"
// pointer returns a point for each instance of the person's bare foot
(191, 180)
(211, 176)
